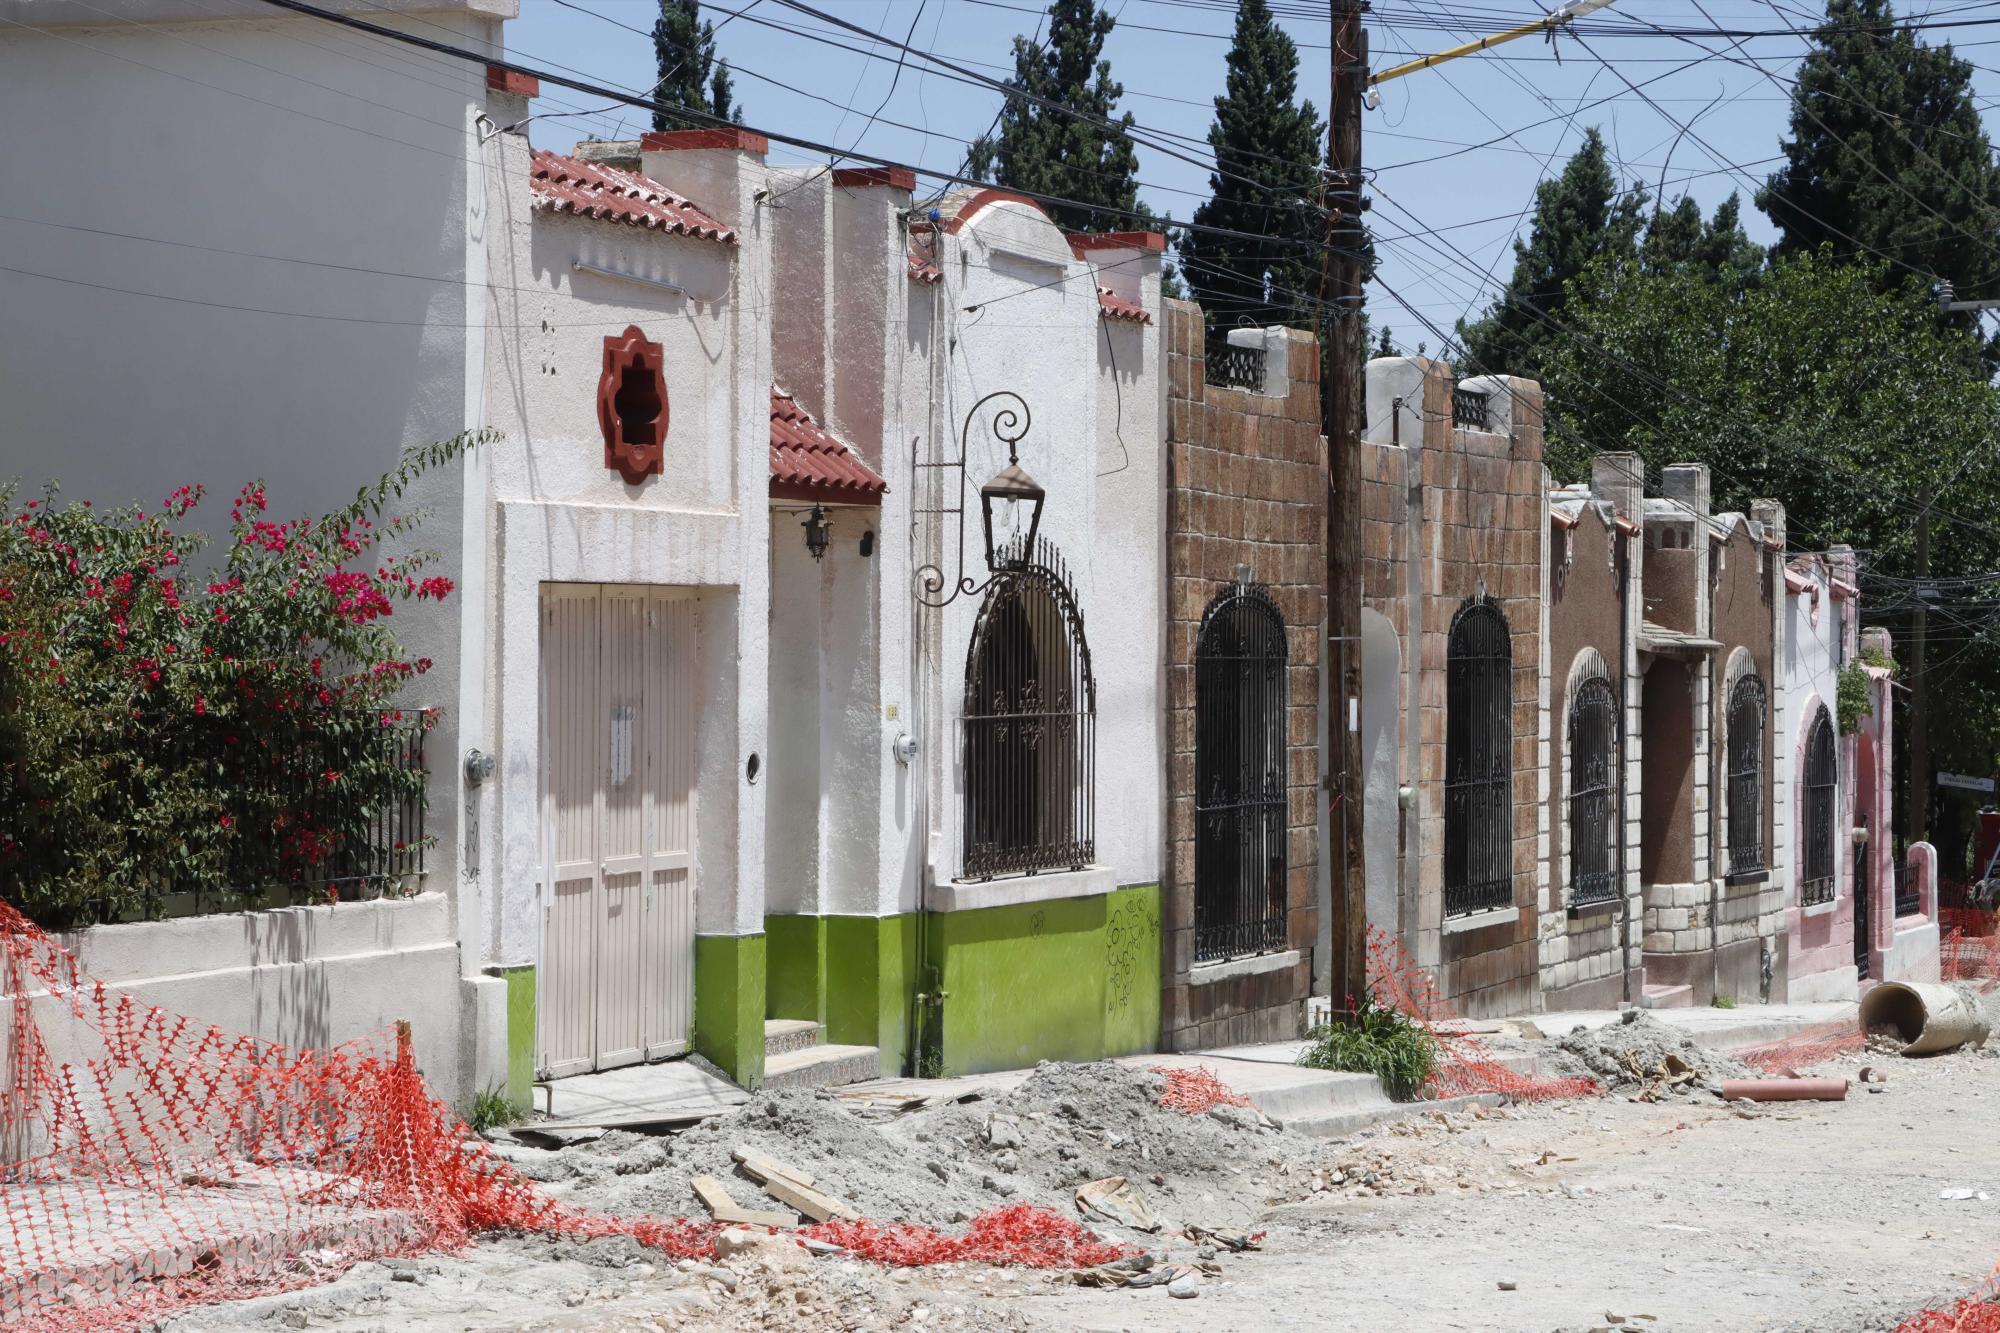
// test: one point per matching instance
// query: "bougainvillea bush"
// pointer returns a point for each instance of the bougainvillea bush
(225, 731)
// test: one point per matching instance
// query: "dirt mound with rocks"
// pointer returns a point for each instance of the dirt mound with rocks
(1065, 1126)
(1641, 1054)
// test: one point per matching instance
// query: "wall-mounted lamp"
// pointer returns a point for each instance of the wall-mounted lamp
(1016, 496)
(818, 532)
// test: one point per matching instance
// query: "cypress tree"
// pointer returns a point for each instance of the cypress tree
(689, 74)
(1579, 215)
(1718, 248)
(1267, 153)
(1887, 148)
(1070, 156)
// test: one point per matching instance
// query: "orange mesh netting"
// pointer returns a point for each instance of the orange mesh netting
(1196, 1091)
(152, 1162)
(1465, 1066)
(1968, 944)
(1808, 1046)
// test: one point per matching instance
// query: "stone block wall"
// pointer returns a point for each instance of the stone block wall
(1245, 488)
(1449, 513)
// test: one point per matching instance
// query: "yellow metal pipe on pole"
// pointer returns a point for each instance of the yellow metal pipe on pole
(1548, 24)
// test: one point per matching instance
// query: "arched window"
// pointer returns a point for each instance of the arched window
(1746, 777)
(1816, 884)
(1029, 730)
(1240, 774)
(1479, 761)
(1593, 794)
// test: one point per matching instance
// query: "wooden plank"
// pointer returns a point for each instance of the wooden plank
(760, 1168)
(665, 1115)
(819, 1207)
(715, 1197)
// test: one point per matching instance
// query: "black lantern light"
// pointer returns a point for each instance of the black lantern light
(818, 532)
(1010, 489)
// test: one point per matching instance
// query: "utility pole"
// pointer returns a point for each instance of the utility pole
(1340, 413)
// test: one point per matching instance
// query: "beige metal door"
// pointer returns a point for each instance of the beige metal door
(618, 710)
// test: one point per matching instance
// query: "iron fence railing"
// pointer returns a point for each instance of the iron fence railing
(317, 839)
(1241, 769)
(1908, 898)
(1469, 409)
(1232, 367)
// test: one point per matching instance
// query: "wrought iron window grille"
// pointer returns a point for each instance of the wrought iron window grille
(1816, 885)
(1231, 367)
(1593, 794)
(1241, 770)
(1469, 409)
(1029, 730)
(1479, 761)
(1746, 721)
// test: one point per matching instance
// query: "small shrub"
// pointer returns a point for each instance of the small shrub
(1380, 1041)
(1724, 1002)
(1854, 697)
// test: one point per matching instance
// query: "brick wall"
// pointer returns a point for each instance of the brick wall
(1245, 487)
(1479, 523)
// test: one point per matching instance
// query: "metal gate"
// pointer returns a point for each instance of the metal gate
(1816, 885)
(618, 719)
(1240, 772)
(1593, 794)
(1746, 777)
(1863, 854)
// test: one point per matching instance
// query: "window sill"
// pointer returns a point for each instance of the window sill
(1599, 907)
(1820, 909)
(1016, 890)
(1742, 877)
(1458, 925)
(1207, 974)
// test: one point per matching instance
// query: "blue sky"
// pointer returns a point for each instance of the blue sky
(1169, 55)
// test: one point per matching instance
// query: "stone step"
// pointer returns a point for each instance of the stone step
(785, 1035)
(823, 1067)
(1668, 997)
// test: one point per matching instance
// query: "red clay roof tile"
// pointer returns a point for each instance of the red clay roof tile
(593, 190)
(1112, 306)
(809, 464)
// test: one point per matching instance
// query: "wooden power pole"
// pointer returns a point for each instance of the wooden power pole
(1341, 404)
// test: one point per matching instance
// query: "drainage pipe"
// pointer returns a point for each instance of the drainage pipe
(1785, 1089)
(1926, 1017)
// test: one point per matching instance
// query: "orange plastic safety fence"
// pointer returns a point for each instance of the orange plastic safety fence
(149, 1162)
(1977, 1313)
(1808, 1046)
(1465, 1066)
(1196, 1091)
(1969, 944)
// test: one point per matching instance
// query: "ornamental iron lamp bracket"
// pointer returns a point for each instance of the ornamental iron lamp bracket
(1011, 486)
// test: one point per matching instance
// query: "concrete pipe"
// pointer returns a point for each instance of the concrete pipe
(1785, 1089)
(1927, 1018)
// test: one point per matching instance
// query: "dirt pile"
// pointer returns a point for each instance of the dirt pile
(1066, 1126)
(1641, 1055)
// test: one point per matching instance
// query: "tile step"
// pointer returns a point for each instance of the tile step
(784, 1035)
(823, 1067)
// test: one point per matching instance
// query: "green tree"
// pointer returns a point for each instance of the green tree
(690, 75)
(1579, 216)
(1887, 155)
(1076, 154)
(1718, 248)
(1267, 154)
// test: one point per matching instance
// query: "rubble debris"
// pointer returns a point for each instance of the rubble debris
(761, 1248)
(1114, 1200)
(1641, 1055)
(1234, 1241)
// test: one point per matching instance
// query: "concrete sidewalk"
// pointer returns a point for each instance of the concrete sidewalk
(1724, 1029)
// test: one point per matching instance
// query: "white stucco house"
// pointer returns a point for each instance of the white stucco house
(739, 724)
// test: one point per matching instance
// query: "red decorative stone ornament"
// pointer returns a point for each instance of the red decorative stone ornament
(632, 406)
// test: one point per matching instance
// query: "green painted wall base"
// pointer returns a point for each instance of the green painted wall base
(520, 1031)
(729, 1004)
(1075, 979)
